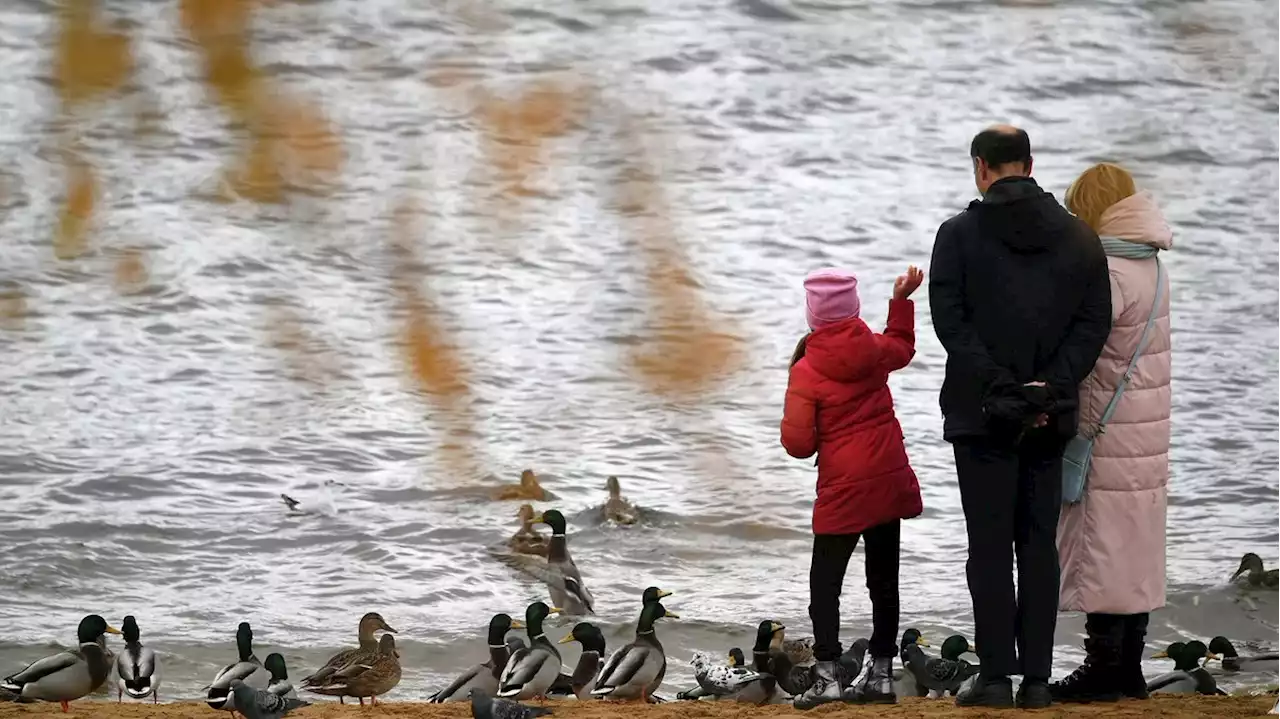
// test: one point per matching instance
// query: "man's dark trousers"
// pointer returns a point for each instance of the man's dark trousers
(1011, 495)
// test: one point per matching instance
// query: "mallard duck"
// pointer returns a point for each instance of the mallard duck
(262, 704)
(564, 580)
(1188, 676)
(634, 671)
(70, 674)
(1233, 662)
(531, 670)
(279, 684)
(370, 624)
(136, 666)
(248, 670)
(906, 683)
(484, 706)
(529, 488)
(793, 678)
(853, 659)
(732, 681)
(616, 508)
(590, 662)
(366, 677)
(484, 676)
(1255, 574)
(526, 540)
(947, 672)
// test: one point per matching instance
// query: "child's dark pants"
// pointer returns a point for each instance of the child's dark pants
(831, 553)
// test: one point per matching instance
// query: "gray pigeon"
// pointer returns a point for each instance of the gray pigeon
(258, 704)
(484, 706)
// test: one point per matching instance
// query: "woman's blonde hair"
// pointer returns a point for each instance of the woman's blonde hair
(1098, 188)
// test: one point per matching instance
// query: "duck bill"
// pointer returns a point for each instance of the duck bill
(517, 624)
(387, 628)
(1210, 657)
(537, 518)
(920, 642)
(732, 661)
(1160, 655)
(672, 615)
(664, 593)
(112, 630)
(566, 639)
(1239, 571)
(777, 626)
(555, 610)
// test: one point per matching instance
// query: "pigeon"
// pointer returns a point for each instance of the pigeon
(484, 706)
(259, 704)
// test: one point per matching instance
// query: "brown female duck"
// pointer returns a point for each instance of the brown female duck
(367, 677)
(527, 540)
(527, 489)
(370, 624)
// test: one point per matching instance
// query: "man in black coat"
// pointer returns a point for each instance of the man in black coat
(1021, 301)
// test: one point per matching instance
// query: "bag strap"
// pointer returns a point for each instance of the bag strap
(1137, 353)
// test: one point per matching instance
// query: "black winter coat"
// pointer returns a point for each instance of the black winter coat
(1019, 292)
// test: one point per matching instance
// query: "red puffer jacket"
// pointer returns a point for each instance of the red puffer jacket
(838, 405)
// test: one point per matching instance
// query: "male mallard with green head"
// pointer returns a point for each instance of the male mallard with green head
(483, 676)
(531, 670)
(69, 674)
(1188, 675)
(636, 670)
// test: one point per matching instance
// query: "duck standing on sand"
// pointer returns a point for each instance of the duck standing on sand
(1255, 574)
(636, 670)
(279, 684)
(483, 676)
(366, 677)
(1267, 663)
(529, 488)
(732, 681)
(370, 624)
(945, 674)
(248, 670)
(484, 706)
(590, 662)
(136, 666)
(1188, 676)
(69, 674)
(532, 670)
(526, 540)
(261, 704)
(616, 508)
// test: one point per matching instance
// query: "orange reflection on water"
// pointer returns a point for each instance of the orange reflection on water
(306, 357)
(13, 307)
(131, 272)
(89, 60)
(688, 351)
(71, 238)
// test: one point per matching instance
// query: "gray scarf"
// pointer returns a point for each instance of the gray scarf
(1116, 247)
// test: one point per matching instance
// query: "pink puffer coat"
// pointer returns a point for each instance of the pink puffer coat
(1112, 544)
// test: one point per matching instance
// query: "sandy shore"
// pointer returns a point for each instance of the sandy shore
(1179, 707)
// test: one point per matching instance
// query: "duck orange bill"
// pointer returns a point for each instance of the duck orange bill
(566, 639)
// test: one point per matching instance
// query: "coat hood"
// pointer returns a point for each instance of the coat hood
(1137, 219)
(844, 351)
(1016, 212)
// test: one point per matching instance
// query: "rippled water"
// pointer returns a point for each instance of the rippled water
(144, 438)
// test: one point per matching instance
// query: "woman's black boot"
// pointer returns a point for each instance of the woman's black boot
(1097, 680)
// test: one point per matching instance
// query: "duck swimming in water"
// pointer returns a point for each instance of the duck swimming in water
(529, 488)
(526, 540)
(563, 579)
(1188, 676)
(1232, 661)
(1255, 574)
(69, 674)
(616, 508)
(484, 676)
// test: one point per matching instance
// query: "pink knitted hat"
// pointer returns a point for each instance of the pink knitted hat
(830, 295)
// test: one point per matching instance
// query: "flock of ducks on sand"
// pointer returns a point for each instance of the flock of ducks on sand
(516, 670)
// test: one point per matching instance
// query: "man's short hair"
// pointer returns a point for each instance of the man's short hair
(1001, 146)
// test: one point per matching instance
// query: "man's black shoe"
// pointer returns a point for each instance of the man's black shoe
(983, 692)
(1034, 694)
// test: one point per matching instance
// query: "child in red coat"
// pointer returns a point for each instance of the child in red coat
(839, 406)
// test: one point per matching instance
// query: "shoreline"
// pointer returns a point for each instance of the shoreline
(1187, 706)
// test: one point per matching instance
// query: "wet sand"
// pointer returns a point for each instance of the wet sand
(1179, 707)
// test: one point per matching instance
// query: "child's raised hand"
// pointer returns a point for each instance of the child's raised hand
(908, 283)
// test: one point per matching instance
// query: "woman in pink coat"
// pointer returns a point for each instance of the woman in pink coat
(1112, 544)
